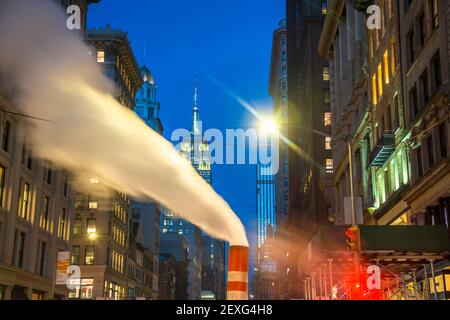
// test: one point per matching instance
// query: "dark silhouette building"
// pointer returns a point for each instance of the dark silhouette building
(310, 161)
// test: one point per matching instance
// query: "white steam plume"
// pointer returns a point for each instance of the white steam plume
(89, 130)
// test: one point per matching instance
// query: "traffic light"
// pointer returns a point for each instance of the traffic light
(352, 235)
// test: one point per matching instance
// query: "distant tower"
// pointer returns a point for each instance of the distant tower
(147, 106)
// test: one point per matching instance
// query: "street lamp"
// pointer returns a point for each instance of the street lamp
(268, 125)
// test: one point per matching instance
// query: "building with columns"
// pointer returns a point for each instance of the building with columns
(389, 108)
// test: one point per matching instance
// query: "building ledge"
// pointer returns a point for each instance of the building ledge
(334, 11)
(428, 180)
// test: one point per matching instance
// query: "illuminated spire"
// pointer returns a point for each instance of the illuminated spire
(195, 95)
(195, 113)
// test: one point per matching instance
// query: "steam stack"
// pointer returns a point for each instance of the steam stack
(238, 273)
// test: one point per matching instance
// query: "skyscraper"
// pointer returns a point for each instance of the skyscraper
(207, 255)
(266, 266)
(308, 127)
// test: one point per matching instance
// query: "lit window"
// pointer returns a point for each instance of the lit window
(23, 212)
(380, 80)
(91, 228)
(328, 143)
(93, 205)
(94, 180)
(324, 7)
(89, 255)
(374, 90)
(326, 73)
(327, 119)
(101, 56)
(386, 67)
(393, 62)
(329, 166)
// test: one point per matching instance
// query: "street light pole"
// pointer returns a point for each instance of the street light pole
(352, 196)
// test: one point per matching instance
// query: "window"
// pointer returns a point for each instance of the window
(324, 7)
(435, 13)
(2, 184)
(77, 226)
(436, 70)
(100, 56)
(286, 181)
(380, 80)
(21, 249)
(410, 46)
(327, 119)
(419, 161)
(42, 258)
(6, 136)
(326, 73)
(43, 221)
(443, 140)
(413, 102)
(27, 159)
(94, 180)
(393, 61)
(374, 90)
(328, 143)
(329, 165)
(430, 151)
(326, 95)
(23, 211)
(286, 196)
(93, 205)
(62, 225)
(89, 255)
(85, 291)
(48, 175)
(37, 295)
(422, 29)
(76, 259)
(91, 228)
(424, 92)
(386, 67)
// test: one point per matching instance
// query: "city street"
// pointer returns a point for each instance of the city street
(234, 158)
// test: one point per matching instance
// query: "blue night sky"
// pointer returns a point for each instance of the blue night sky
(230, 41)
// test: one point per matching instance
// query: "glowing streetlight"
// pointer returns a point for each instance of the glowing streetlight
(268, 125)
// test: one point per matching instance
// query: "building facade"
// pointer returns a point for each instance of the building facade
(103, 223)
(389, 106)
(175, 252)
(310, 159)
(148, 213)
(37, 208)
(279, 92)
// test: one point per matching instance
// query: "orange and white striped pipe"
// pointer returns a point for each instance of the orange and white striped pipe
(238, 273)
